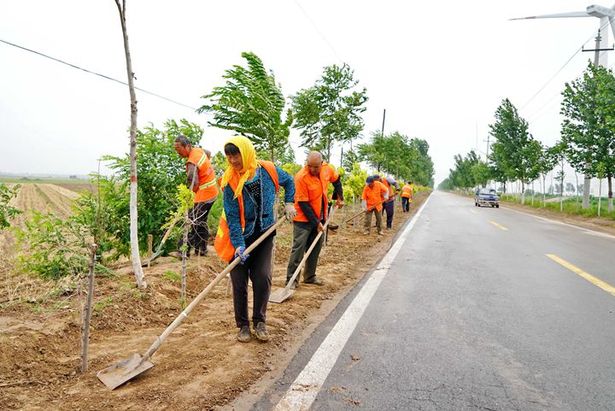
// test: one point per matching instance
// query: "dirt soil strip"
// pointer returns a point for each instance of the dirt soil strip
(201, 366)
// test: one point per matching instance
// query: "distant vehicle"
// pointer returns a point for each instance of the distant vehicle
(487, 197)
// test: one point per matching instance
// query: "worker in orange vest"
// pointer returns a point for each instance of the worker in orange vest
(407, 191)
(311, 204)
(389, 203)
(374, 195)
(201, 179)
(249, 188)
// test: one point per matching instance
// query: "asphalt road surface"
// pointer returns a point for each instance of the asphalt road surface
(473, 308)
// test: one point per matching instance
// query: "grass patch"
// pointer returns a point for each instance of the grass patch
(172, 276)
(102, 304)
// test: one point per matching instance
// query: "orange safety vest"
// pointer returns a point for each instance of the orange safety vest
(374, 196)
(207, 189)
(312, 189)
(222, 243)
(406, 191)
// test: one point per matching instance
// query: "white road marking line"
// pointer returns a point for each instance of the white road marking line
(307, 385)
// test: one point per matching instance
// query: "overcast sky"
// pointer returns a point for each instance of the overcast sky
(440, 69)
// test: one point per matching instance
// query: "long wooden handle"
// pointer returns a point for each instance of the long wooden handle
(308, 252)
(355, 216)
(184, 314)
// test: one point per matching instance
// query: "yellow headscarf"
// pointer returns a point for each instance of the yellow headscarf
(248, 156)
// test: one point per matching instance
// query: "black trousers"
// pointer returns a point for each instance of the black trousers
(258, 269)
(303, 236)
(199, 231)
(389, 207)
(405, 204)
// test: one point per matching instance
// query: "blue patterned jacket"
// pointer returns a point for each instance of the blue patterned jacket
(268, 200)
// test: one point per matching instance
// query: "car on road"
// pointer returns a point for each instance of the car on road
(486, 197)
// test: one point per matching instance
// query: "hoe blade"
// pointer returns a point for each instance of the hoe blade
(280, 295)
(123, 371)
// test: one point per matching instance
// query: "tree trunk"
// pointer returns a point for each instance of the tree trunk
(272, 154)
(134, 238)
(561, 193)
(522, 192)
(576, 187)
(599, 195)
(586, 183)
(533, 193)
(544, 191)
(610, 182)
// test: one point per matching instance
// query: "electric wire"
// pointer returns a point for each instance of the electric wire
(96, 74)
(577, 51)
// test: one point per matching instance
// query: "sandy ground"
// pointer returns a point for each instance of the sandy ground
(200, 366)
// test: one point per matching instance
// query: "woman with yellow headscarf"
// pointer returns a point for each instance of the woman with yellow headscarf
(249, 189)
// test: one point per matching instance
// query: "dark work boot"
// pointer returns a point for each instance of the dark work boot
(260, 331)
(244, 335)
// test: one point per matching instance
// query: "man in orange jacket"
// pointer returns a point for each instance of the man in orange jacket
(374, 195)
(202, 180)
(311, 204)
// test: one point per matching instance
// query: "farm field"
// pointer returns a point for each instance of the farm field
(201, 365)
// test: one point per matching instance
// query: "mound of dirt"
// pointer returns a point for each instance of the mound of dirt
(200, 366)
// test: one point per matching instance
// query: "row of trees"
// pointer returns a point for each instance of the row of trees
(399, 155)
(251, 102)
(587, 141)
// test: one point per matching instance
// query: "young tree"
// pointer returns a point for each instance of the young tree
(546, 163)
(6, 210)
(515, 150)
(134, 237)
(587, 132)
(252, 104)
(330, 110)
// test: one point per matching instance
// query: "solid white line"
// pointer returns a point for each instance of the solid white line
(548, 220)
(305, 388)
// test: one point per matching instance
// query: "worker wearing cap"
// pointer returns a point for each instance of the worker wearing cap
(389, 203)
(311, 204)
(201, 179)
(374, 195)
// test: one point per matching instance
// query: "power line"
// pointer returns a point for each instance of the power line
(97, 74)
(320, 33)
(561, 68)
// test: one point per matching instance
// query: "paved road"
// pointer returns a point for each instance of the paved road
(479, 308)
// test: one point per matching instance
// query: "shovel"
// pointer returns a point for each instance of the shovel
(159, 249)
(282, 294)
(125, 370)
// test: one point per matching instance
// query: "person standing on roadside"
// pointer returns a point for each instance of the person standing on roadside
(201, 179)
(311, 204)
(389, 203)
(407, 192)
(374, 195)
(249, 188)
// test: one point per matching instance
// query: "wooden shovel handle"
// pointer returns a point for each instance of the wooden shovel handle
(184, 314)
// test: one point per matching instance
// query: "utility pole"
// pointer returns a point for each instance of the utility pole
(587, 178)
(384, 115)
(488, 145)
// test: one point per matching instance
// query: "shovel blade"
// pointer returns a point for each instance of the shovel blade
(123, 371)
(280, 295)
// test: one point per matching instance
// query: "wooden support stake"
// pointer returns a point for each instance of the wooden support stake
(150, 249)
(87, 312)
